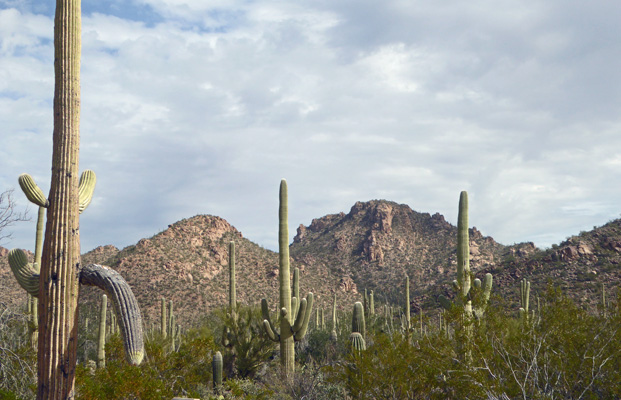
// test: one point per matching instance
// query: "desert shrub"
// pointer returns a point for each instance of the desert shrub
(248, 347)
(165, 373)
(18, 361)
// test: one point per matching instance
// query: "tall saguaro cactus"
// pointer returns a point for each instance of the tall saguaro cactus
(292, 327)
(57, 285)
(462, 284)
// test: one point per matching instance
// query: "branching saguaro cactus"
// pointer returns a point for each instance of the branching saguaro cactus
(57, 286)
(462, 285)
(292, 327)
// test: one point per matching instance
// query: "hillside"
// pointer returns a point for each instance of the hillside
(371, 247)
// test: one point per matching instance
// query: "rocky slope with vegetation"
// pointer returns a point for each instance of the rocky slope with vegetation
(371, 247)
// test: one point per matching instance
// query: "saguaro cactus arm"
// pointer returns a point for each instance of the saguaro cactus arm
(125, 305)
(26, 273)
(86, 188)
(32, 191)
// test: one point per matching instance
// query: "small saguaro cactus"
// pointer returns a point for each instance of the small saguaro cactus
(232, 289)
(371, 304)
(524, 299)
(333, 334)
(101, 340)
(408, 323)
(292, 327)
(217, 371)
(357, 342)
(357, 319)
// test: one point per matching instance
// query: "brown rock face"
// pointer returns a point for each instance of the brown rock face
(372, 249)
(347, 285)
(382, 218)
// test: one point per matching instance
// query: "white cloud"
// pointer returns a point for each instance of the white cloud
(202, 107)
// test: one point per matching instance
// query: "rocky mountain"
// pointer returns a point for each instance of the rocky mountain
(371, 247)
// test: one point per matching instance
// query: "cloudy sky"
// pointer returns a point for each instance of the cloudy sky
(201, 107)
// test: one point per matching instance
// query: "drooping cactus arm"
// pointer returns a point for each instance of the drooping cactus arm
(26, 274)
(125, 304)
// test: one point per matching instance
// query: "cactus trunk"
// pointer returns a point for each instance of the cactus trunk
(232, 292)
(59, 285)
(293, 327)
(287, 349)
(101, 342)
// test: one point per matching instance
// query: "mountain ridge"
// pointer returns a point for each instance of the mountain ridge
(371, 247)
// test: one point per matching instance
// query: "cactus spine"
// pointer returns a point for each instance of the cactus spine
(101, 342)
(292, 327)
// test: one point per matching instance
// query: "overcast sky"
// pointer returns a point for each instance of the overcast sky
(201, 107)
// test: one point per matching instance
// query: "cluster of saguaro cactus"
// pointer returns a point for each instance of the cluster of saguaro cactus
(293, 327)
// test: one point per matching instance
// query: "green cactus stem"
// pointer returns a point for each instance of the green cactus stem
(408, 323)
(292, 327)
(604, 306)
(334, 319)
(371, 304)
(217, 371)
(125, 307)
(26, 273)
(357, 342)
(357, 319)
(164, 324)
(171, 318)
(101, 341)
(524, 298)
(86, 187)
(32, 191)
(484, 291)
(232, 290)
(295, 305)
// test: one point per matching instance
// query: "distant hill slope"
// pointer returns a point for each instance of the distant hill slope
(373, 246)
(379, 242)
